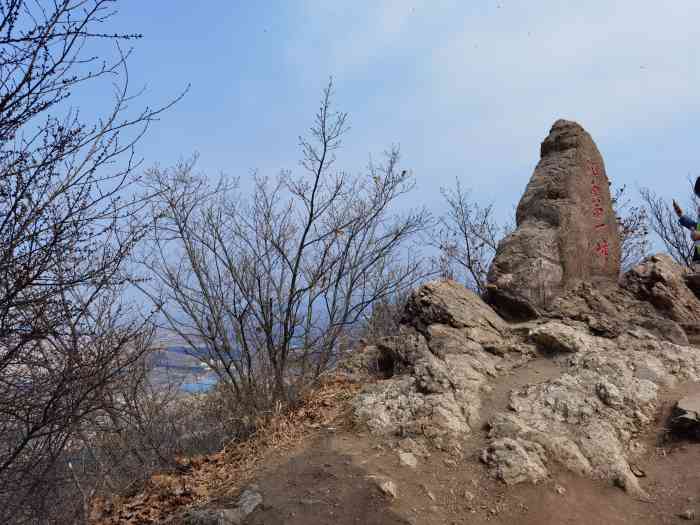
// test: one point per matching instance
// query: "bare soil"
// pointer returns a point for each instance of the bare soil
(333, 479)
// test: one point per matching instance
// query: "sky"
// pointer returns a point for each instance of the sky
(468, 89)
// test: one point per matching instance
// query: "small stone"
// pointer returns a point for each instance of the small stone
(431, 495)
(388, 488)
(468, 495)
(688, 514)
(408, 459)
(609, 394)
(560, 490)
(249, 501)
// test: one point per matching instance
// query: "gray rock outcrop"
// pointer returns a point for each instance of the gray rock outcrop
(658, 281)
(443, 351)
(614, 350)
(566, 228)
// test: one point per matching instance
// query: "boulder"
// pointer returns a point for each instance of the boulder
(443, 357)
(566, 229)
(685, 418)
(450, 303)
(660, 281)
(554, 337)
(609, 311)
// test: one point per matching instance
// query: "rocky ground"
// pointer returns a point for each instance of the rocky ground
(572, 397)
(563, 419)
(465, 418)
(338, 478)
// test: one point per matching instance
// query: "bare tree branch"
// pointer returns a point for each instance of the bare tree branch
(263, 289)
(467, 239)
(664, 223)
(69, 222)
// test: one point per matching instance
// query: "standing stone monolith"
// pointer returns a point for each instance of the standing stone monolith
(566, 228)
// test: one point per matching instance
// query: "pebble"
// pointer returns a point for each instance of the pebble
(688, 514)
(408, 459)
(388, 487)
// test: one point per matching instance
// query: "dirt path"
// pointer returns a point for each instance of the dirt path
(334, 480)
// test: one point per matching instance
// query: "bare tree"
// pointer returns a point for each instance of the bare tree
(664, 222)
(67, 228)
(633, 222)
(467, 239)
(262, 289)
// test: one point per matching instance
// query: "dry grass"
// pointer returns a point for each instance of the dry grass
(222, 475)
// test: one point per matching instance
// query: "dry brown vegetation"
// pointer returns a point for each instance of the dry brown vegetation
(210, 477)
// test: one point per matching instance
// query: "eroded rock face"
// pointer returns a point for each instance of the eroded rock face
(617, 347)
(448, 303)
(588, 418)
(566, 228)
(653, 296)
(614, 349)
(661, 282)
(443, 352)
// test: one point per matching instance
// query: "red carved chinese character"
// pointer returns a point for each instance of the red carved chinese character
(595, 189)
(601, 248)
(598, 212)
(601, 226)
(595, 170)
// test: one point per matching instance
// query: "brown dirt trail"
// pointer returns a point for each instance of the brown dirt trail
(333, 479)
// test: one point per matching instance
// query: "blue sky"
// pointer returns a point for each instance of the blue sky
(467, 88)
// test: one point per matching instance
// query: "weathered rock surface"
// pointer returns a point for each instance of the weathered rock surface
(659, 281)
(446, 364)
(516, 461)
(566, 228)
(587, 419)
(616, 347)
(609, 311)
(448, 303)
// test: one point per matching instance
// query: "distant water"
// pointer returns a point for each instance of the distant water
(204, 384)
(175, 365)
